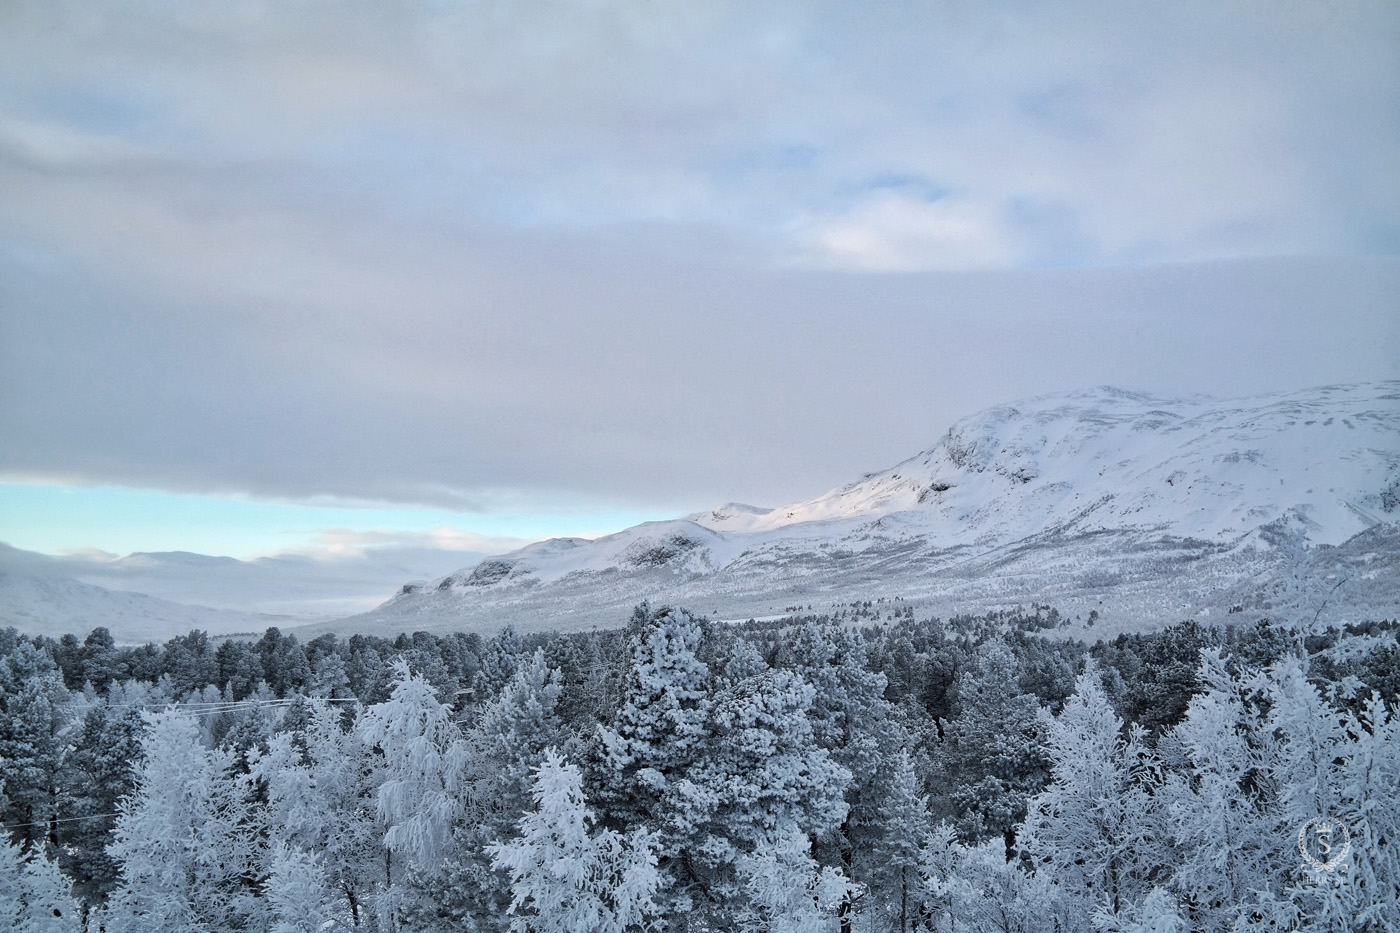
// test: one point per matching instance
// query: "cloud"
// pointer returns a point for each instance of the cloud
(630, 379)
(344, 543)
(479, 255)
(343, 573)
(1179, 133)
(893, 232)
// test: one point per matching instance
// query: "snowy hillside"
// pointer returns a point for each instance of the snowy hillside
(56, 606)
(1111, 459)
(1144, 510)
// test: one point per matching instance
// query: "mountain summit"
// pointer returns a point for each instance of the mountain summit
(1141, 510)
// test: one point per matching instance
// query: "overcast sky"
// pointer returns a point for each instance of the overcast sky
(273, 273)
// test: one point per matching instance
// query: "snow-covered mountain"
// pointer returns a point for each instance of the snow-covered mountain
(47, 605)
(1144, 510)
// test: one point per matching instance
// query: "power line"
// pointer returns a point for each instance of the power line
(212, 706)
(64, 819)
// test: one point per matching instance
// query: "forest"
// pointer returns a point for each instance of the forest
(856, 770)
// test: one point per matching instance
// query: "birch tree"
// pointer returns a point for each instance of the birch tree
(566, 875)
(188, 858)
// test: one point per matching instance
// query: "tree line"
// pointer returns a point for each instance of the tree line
(975, 773)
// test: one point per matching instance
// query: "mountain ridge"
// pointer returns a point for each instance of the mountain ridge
(1047, 483)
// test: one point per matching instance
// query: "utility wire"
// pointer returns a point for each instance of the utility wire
(217, 706)
(64, 819)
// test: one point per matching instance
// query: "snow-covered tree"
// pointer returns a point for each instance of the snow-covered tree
(1089, 831)
(421, 766)
(713, 765)
(190, 664)
(848, 708)
(660, 726)
(188, 858)
(656, 736)
(329, 677)
(786, 891)
(991, 758)
(1218, 799)
(851, 720)
(33, 713)
(1342, 767)
(510, 737)
(568, 877)
(96, 775)
(34, 895)
(320, 799)
(298, 893)
(760, 775)
(504, 748)
(1369, 786)
(896, 853)
(498, 663)
(1156, 914)
(99, 657)
(940, 884)
(980, 890)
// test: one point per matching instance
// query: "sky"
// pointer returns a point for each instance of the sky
(420, 281)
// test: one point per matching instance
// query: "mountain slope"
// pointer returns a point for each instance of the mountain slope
(1142, 509)
(45, 605)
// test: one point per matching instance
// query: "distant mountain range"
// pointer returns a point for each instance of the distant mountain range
(1115, 506)
(1141, 510)
(155, 596)
(54, 606)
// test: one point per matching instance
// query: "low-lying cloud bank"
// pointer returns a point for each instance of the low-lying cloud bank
(348, 572)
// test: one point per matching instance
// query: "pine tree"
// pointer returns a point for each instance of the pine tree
(851, 720)
(329, 677)
(95, 776)
(898, 850)
(991, 758)
(510, 738)
(660, 726)
(498, 664)
(657, 736)
(760, 776)
(100, 660)
(713, 765)
(190, 664)
(33, 714)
